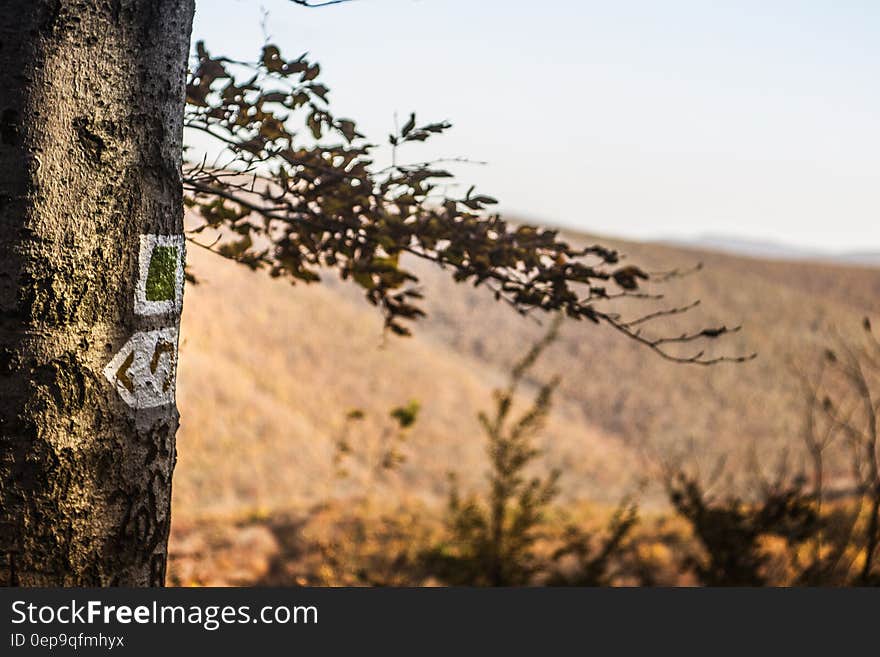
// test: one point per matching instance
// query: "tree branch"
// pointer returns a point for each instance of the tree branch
(314, 5)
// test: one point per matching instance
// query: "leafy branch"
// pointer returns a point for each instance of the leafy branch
(294, 189)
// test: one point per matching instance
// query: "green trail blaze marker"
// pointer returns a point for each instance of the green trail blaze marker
(161, 275)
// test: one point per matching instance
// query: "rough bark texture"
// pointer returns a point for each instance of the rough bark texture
(91, 104)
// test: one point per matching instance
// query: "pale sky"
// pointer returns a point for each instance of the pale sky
(673, 119)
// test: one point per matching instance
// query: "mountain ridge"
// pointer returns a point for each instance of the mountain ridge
(769, 249)
(269, 371)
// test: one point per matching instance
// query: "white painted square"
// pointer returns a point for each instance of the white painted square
(143, 371)
(142, 305)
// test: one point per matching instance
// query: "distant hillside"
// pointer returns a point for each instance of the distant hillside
(776, 250)
(268, 372)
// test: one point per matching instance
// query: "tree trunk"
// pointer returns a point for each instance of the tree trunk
(91, 108)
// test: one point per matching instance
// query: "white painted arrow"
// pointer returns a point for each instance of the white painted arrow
(143, 371)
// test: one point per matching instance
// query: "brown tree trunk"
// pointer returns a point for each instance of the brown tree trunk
(91, 106)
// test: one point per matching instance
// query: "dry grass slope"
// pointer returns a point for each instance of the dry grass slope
(268, 372)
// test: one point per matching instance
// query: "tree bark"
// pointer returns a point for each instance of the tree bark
(91, 108)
